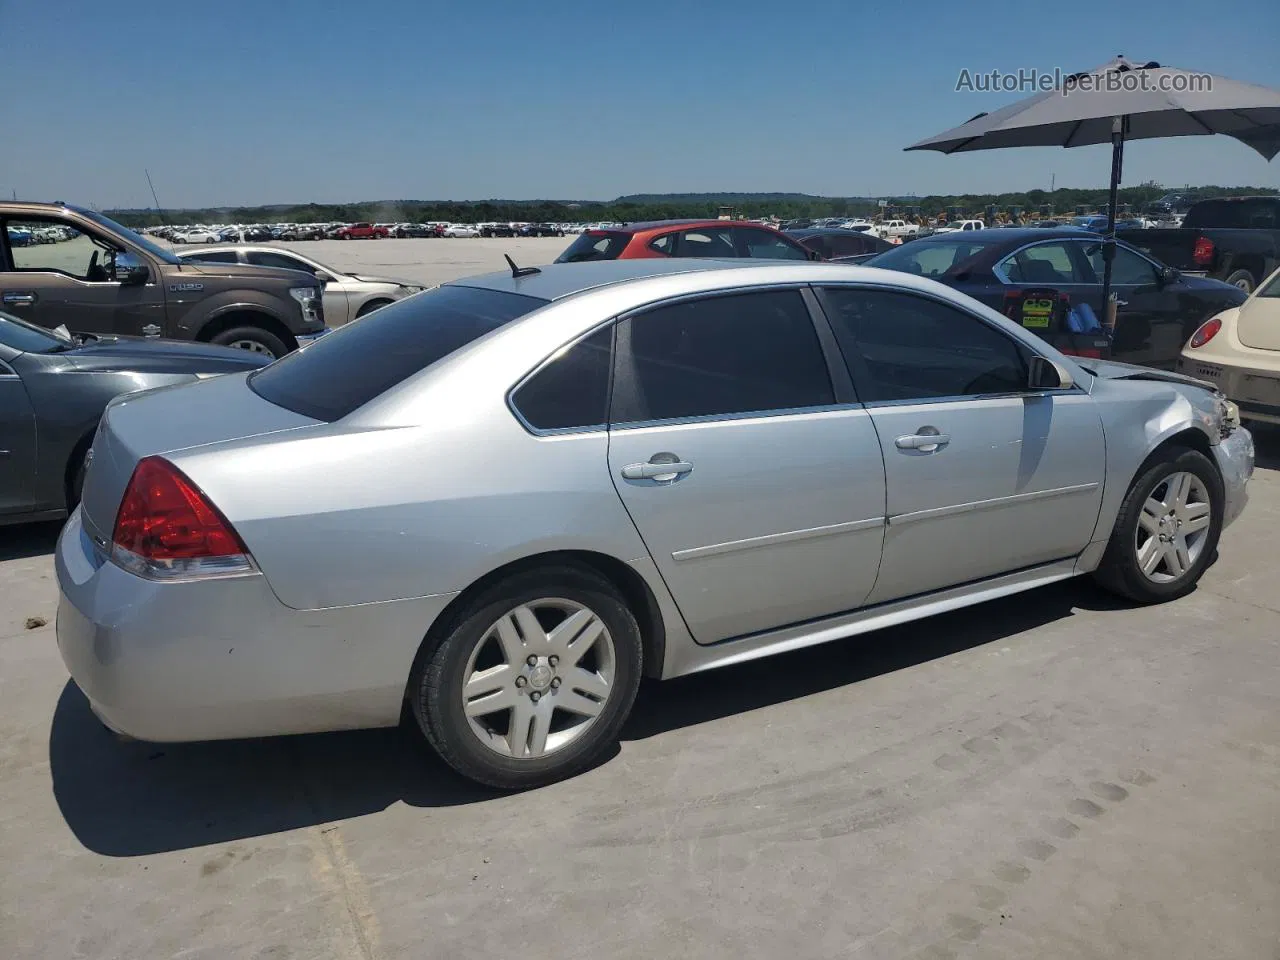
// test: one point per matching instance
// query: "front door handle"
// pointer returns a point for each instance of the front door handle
(924, 441)
(15, 299)
(660, 471)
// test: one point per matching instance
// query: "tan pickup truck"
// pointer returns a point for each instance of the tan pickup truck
(62, 265)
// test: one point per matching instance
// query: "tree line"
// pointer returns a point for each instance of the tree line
(784, 206)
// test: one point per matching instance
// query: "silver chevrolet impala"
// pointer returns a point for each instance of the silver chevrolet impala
(503, 501)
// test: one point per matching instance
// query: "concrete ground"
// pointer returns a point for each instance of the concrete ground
(1052, 775)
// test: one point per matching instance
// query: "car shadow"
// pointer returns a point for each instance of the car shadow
(124, 798)
(1266, 443)
(29, 540)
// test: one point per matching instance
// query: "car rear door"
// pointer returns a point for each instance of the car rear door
(758, 488)
(17, 443)
(984, 477)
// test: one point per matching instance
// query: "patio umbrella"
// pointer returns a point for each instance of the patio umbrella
(1120, 101)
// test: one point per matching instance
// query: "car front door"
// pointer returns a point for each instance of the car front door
(983, 476)
(17, 443)
(1153, 319)
(759, 496)
(337, 310)
(1056, 264)
(71, 282)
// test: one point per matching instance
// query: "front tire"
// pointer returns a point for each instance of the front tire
(532, 680)
(253, 339)
(371, 306)
(1166, 533)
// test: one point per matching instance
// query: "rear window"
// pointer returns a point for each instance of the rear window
(1255, 213)
(595, 245)
(932, 258)
(346, 369)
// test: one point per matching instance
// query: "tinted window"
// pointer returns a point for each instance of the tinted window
(218, 256)
(573, 389)
(48, 246)
(763, 244)
(904, 347)
(932, 258)
(268, 259)
(20, 335)
(819, 244)
(664, 244)
(706, 242)
(1043, 263)
(852, 246)
(349, 367)
(723, 355)
(595, 245)
(1254, 213)
(1127, 267)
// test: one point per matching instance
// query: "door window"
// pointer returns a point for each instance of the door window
(769, 246)
(1127, 268)
(265, 258)
(905, 347)
(737, 354)
(572, 390)
(706, 242)
(218, 256)
(1041, 264)
(47, 246)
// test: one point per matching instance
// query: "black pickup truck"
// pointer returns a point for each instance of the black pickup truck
(1236, 239)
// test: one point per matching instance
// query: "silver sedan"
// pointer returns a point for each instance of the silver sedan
(346, 295)
(502, 502)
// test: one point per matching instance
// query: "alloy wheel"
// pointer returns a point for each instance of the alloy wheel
(253, 346)
(1173, 527)
(538, 678)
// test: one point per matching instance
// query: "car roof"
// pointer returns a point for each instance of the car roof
(647, 225)
(555, 281)
(245, 247)
(1013, 235)
(828, 232)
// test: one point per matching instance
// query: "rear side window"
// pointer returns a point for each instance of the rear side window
(346, 369)
(263, 258)
(1254, 213)
(595, 245)
(706, 242)
(745, 353)
(572, 390)
(218, 256)
(765, 245)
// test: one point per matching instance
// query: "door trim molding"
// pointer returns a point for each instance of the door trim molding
(973, 506)
(773, 539)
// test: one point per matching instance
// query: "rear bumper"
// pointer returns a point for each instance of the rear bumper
(1254, 391)
(216, 659)
(1235, 457)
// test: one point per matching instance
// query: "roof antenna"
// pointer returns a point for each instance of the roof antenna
(518, 272)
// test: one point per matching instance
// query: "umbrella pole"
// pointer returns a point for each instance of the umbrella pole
(1109, 244)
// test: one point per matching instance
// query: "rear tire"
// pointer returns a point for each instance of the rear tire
(253, 339)
(1162, 527)
(1242, 279)
(524, 728)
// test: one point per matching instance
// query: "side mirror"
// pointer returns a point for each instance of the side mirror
(1044, 374)
(815, 255)
(130, 271)
(1169, 275)
(322, 277)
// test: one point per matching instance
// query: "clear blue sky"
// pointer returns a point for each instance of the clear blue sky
(257, 101)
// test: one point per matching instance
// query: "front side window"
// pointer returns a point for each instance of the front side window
(1127, 267)
(1046, 264)
(745, 353)
(265, 258)
(905, 347)
(571, 391)
(217, 256)
(932, 258)
(765, 245)
(47, 246)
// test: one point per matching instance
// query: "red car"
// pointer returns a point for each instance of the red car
(361, 231)
(685, 238)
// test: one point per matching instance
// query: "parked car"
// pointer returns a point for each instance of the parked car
(1236, 239)
(198, 235)
(920, 453)
(840, 245)
(963, 226)
(899, 229)
(361, 231)
(497, 230)
(685, 238)
(460, 230)
(54, 388)
(110, 280)
(1159, 307)
(414, 230)
(541, 230)
(346, 295)
(1238, 350)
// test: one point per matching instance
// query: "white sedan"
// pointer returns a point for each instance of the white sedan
(460, 230)
(1239, 351)
(346, 295)
(197, 236)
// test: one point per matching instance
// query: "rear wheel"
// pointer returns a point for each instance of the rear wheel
(532, 681)
(1242, 279)
(1167, 530)
(253, 339)
(371, 306)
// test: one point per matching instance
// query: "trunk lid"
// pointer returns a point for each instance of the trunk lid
(165, 420)
(1175, 247)
(1258, 323)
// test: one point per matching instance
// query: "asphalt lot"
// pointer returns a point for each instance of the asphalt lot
(1050, 775)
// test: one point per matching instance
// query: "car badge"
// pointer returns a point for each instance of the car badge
(151, 330)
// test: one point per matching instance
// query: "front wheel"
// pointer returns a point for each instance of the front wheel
(533, 679)
(1242, 279)
(253, 339)
(1167, 529)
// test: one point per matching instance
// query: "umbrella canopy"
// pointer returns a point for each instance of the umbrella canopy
(1154, 101)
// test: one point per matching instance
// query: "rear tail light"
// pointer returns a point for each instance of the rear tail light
(1203, 252)
(1208, 330)
(166, 529)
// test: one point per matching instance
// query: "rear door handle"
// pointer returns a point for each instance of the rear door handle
(16, 299)
(660, 472)
(924, 442)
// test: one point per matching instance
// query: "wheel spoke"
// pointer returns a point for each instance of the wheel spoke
(1149, 519)
(522, 714)
(539, 727)
(1179, 490)
(534, 635)
(1195, 524)
(1152, 553)
(588, 682)
(575, 636)
(574, 702)
(1193, 511)
(1178, 557)
(488, 703)
(488, 681)
(509, 638)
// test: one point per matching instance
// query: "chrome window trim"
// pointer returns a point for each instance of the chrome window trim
(747, 415)
(7, 372)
